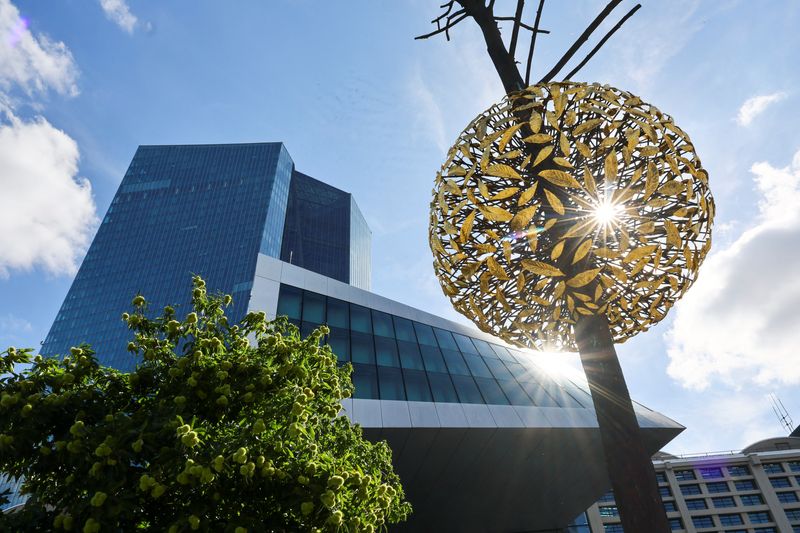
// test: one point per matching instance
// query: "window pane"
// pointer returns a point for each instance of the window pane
(442, 388)
(313, 307)
(338, 313)
(290, 302)
(484, 349)
(754, 499)
(386, 352)
(365, 381)
(425, 334)
(746, 484)
(710, 473)
(498, 369)
(538, 394)
(361, 349)
(491, 391)
(477, 366)
(391, 383)
(382, 324)
(717, 486)
(514, 392)
(360, 319)
(725, 501)
(689, 490)
(694, 505)
(445, 338)
(416, 386)
(780, 482)
(455, 362)
(409, 355)
(307, 328)
(404, 329)
(433, 359)
(465, 344)
(502, 353)
(467, 390)
(339, 339)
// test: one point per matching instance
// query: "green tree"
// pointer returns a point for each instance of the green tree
(233, 435)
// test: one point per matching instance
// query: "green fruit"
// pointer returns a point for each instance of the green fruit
(99, 498)
(158, 491)
(335, 482)
(138, 301)
(191, 318)
(137, 446)
(328, 499)
(194, 522)
(222, 400)
(336, 518)
(306, 508)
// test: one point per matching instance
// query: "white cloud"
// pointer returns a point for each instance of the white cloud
(118, 12)
(47, 214)
(33, 62)
(752, 107)
(739, 323)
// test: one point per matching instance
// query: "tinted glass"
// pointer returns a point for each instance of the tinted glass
(484, 349)
(362, 349)
(360, 319)
(442, 388)
(514, 392)
(491, 391)
(455, 362)
(467, 390)
(538, 394)
(313, 307)
(425, 334)
(445, 338)
(498, 369)
(404, 330)
(416, 386)
(390, 381)
(290, 302)
(339, 339)
(386, 352)
(410, 356)
(365, 382)
(434, 362)
(382, 324)
(476, 366)
(338, 313)
(465, 344)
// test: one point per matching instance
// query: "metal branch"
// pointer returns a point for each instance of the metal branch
(579, 42)
(602, 42)
(533, 42)
(515, 32)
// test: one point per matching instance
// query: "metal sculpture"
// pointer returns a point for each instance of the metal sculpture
(566, 200)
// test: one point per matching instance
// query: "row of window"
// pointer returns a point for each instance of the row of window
(716, 487)
(733, 471)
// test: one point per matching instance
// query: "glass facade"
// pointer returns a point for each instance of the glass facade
(395, 358)
(179, 211)
(325, 232)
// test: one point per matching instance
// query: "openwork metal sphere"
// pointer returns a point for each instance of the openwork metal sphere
(569, 199)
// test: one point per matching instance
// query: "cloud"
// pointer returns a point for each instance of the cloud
(118, 12)
(738, 324)
(33, 62)
(752, 107)
(47, 214)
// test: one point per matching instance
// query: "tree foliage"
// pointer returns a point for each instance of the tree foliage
(233, 435)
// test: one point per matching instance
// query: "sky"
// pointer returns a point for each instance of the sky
(363, 106)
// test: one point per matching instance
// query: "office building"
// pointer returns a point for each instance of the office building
(756, 490)
(482, 438)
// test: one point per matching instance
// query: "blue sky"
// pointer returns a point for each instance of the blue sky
(363, 106)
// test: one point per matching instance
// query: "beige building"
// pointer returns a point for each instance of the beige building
(756, 490)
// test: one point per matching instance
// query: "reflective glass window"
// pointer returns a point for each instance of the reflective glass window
(794, 466)
(738, 470)
(608, 511)
(361, 348)
(338, 313)
(538, 394)
(675, 523)
(773, 468)
(745, 484)
(661, 477)
(723, 501)
(694, 505)
(752, 499)
(404, 330)
(759, 517)
(290, 302)
(425, 334)
(491, 391)
(717, 486)
(432, 358)
(710, 473)
(360, 319)
(502, 353)
(382, 324)
(442, 388)
(455, 362)
(307, 328)
(466, 389)
(386, 352)
(514, 392)
(410, 356)
(390, 381)
(780, 482)
(465, 344)
(786, 497)
(519, 371)
(313, 307)
(665, 492)
(416, 386)
(365, 382)
(498, 369)
(683, 475)
(689, 490)
(703, 521)
(476, 366)
(670, 507)
(445, 339)
(484, 349)
(793, 514)
(339, 339)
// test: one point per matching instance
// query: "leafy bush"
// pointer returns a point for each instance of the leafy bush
(238, 434)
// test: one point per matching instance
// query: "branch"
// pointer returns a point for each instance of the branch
(515, 32)
(579, 42)
(523, 25)
(533, 43)
(452, 20)
(602, 42)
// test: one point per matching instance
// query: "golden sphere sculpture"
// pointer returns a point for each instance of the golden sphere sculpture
(569, 199)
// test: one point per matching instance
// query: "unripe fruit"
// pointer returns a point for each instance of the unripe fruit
(98, 499)
(194, 522)
(131, 347)
(335, 482)
(77, 428)
(91, 526)
(192, 382)
(222, 400)
(138, 301)
(75, 351)
(306, 508)
(259, 426)
(137, 446)
(336, 518)
(191, 318)
(240, 530)
(328, 499)
(158, 491)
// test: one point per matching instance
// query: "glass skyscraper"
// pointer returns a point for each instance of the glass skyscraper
(207, 210)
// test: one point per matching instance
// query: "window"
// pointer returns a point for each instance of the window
(664, 492)
(725, 501)
(773, 468)
(731, 519)
(607, 497)
(670, 507)
(747, 484)
(684, 475)
(780, 482)
(738, 470)
(793, 514)
(442, 388)
(794, 466)
(717, 486)
(661, 477)
(787, 497)
(752, 499)
(467, 390)
(759, 517)
(703, 521)
(710, 473)
(613, 528)
(764, 530)
(675, 523)
(690, 490)
(417, 388)
(609, 510)
(390, 382)
(694, 505)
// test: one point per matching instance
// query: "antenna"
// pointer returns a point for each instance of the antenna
(781, 412)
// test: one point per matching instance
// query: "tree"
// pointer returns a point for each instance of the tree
(240, 433)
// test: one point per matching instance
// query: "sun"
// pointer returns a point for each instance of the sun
(606, 213)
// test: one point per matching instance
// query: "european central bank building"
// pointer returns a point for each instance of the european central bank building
(483, 439)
